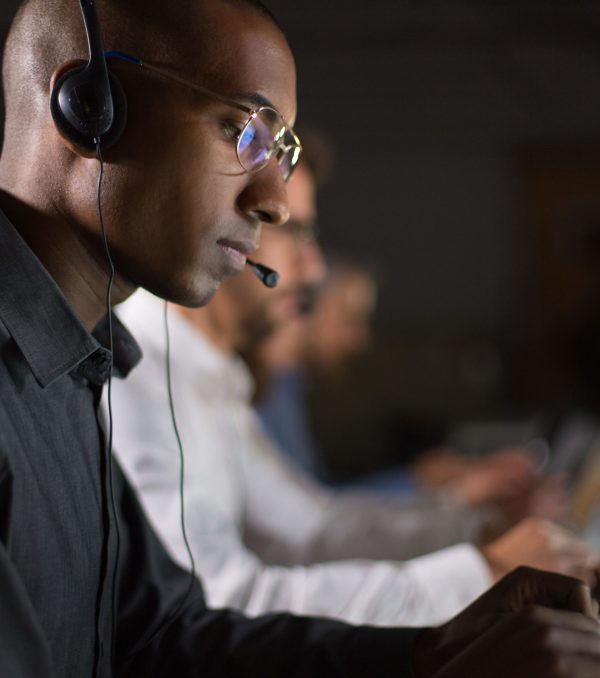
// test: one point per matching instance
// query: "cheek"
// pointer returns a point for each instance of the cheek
(171, 199)
(166, 230)
(191, 192)
(184, 152)
(169, 206)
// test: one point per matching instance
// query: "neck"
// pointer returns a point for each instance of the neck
(74, 258)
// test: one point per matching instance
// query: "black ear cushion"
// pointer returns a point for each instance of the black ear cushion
(77, 137)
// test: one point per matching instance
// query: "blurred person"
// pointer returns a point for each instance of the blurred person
(339, 327)
(319, 345)
(265, 537)
(336, 328)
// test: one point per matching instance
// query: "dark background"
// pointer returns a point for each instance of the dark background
(467, 136)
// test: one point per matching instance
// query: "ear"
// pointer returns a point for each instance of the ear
(59, 73)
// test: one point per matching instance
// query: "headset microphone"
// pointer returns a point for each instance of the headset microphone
(267, 276)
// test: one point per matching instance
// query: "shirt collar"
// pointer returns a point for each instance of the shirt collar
(44, 326)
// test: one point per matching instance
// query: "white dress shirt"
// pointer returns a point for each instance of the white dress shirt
(264, 537)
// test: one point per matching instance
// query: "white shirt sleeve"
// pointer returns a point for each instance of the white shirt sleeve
(262, 538)
(291, 519)
(422, 591)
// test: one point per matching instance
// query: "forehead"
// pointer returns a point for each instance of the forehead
(237, 50)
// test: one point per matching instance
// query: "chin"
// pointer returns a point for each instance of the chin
(196, 297)
(191, 294)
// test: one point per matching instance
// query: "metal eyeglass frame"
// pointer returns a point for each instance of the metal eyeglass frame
(278, 144)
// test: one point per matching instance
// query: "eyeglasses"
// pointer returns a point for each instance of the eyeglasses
(265, 135)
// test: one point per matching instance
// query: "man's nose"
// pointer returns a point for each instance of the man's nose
(264, 198)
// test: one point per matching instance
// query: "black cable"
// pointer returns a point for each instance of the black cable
(181, 458)
(109, 447)
(192, 578)
(182, 601)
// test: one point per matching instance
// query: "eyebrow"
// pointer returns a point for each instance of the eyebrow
(254, 98)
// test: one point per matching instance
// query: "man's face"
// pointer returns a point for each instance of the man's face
(178, 203)
(339, 327)
(296, 257)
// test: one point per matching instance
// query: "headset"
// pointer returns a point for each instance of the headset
(87, 103)
(267, 276)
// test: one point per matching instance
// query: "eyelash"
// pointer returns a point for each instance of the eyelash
(232, 130)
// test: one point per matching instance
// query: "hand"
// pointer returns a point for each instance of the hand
(439, 466)
(550, 498)
(529, 624)
(536, 642)
(545, 546)
(502, 477)
(545, 497)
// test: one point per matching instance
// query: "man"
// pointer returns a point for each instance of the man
(176, 206)
(318, 347)
(264, 536)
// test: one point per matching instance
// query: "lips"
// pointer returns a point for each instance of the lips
(237, 251)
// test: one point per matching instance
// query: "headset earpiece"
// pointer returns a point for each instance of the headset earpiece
(82, 116)
(88, 103)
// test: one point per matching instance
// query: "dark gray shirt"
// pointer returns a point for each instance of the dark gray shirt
(57, 533)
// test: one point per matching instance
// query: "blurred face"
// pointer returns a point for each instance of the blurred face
(340, 326)
(296, 257)
(182, 213)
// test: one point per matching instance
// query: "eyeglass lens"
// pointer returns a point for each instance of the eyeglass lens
(264, 134)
